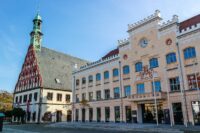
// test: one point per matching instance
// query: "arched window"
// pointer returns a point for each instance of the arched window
(90, 78)
(115, 72)
(83, 80)
(138, 66)
(153, 62)
(189, 53)
(98, 76)
(171, 58)
(106, 75)
(126, 69)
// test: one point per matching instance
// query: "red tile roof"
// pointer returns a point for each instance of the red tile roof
(111, 53)
(189, 22)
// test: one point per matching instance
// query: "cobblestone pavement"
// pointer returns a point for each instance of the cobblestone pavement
(42, 128)
(65, 127)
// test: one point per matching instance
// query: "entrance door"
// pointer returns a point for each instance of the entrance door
(149, 113)
(83, 115)
(98, 114)
(107, 114)
(69, 115)
(128, 114)
(177, 112)
(90, 114)
(58, 116)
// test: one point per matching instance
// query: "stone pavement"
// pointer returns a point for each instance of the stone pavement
(10, 130)
(120, 127)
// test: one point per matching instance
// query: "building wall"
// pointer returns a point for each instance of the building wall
(158, 47)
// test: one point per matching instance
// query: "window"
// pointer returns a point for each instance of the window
(20, 99)
(116, 92)
(77, 82)
(25, 98)
(127, 91)
(83, 96)
(140, 89)
(67, 98)
(157, 86)
(30, 98)
(126, 70)
(16, 99)
(98, 94)
(115, 72)
(192, 81)
(117, 114)
(57, 81)
(174, 84)
(153, 63)
(35, 96)
(90, 79)
(189, 53)
(106, 75)
(49, 96)
(98, 77)
(59, 97)
(83, 80)
(138, 66)
(90, 96)
(171, 58)
(77, 98)
(107, 94)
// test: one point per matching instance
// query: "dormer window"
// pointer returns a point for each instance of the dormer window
(57, 81)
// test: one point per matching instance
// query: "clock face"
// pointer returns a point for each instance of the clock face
(143, 43)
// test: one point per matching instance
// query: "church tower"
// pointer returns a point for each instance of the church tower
(36, 34)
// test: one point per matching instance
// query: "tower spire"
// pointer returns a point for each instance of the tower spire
(36, 34)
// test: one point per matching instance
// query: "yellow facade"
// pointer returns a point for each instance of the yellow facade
(173, 53)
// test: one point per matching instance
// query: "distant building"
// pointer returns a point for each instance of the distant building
(44, 85)
(153, 76)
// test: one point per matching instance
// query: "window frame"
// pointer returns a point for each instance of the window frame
(126, 69)
(138, 66)
(153, 62)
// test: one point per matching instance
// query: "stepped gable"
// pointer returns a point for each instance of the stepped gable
(189, 22)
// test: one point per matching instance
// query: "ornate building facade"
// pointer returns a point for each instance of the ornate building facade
(44, 85)
(151, 77)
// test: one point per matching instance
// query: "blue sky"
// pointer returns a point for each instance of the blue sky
(83, 28)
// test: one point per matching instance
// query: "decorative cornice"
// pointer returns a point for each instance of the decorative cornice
(123, 42)
(164, 25)
(188, 30)
(148, 19)
(96, 63)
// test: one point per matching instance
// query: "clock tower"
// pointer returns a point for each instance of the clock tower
(36, 34)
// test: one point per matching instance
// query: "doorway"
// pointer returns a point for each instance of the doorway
(177, 113)
(83, 115)
(69, 115)
(128, 114)
(58, 116)
(149, 113)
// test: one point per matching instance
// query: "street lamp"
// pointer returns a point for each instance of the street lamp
(155, 99)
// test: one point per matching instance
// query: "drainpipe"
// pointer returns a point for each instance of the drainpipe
(182, 87)
(73, 100)
(120, 82)
(40, 104)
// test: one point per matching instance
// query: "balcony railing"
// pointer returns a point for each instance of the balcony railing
(147, 96)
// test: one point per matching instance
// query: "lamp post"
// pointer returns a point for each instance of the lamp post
(155, 99)
(168, 98)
